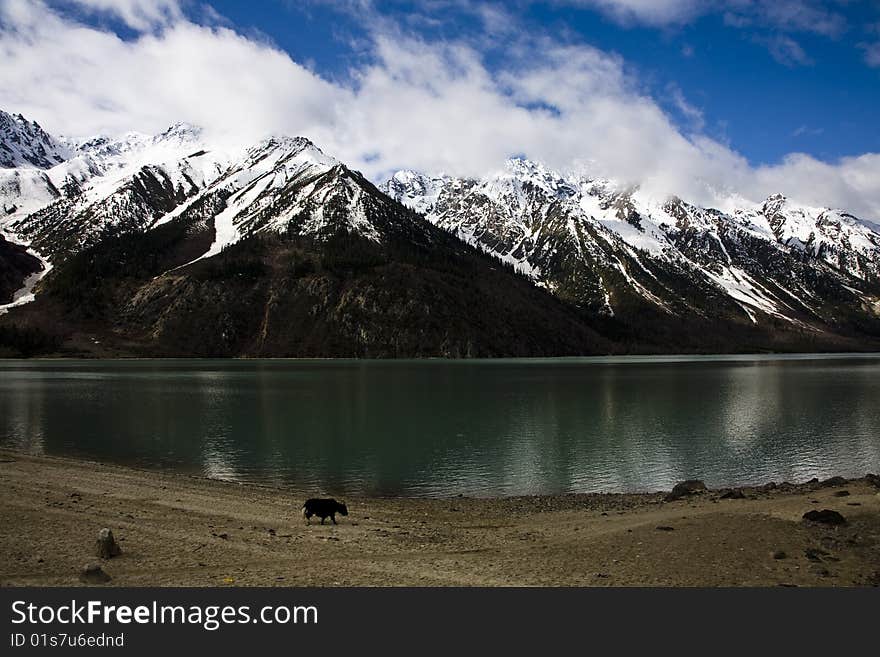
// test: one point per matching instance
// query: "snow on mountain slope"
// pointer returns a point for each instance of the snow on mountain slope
(97, 166)
(25, 143)
(116, 159)
(599, 244)
(836, 237)
(24, 190)
(286, 185)
(127, 183)
(25, 293)
(136, 182)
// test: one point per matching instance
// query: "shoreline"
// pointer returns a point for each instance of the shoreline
(13, 452)
(181, 530)
(650, 357)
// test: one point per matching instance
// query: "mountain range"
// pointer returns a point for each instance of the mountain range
(168, 245)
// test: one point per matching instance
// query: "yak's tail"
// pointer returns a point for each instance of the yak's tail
(305, 514)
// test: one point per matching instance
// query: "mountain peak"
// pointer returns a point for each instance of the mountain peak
(296, 143)
(24, 143)
(521, 164)
(774, 204)
(179, 132)
(408, 176)
(278, 149)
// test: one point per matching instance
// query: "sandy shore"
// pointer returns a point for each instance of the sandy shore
(182, 531)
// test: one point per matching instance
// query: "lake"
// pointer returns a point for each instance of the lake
(471, 427)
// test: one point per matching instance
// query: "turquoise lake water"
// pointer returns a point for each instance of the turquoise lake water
(442, 428)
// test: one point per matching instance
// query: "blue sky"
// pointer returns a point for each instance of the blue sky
(753, 88)
(717, 101)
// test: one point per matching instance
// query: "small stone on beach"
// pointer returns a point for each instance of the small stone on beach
(94, 574)
(686, 489)
(106, 545)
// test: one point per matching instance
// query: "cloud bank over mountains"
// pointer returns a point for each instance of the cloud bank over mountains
(431, 105)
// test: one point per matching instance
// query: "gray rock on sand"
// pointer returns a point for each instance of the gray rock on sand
(106, 545)
(825, 517)
(834, 481)
(873, 479)
(733, 494)
(94, 574)
(686, 489)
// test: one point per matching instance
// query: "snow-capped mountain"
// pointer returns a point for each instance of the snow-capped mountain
(97, 168)
(163, 245)
(138, 182)
(284, 185)
(160, 235)
(833, 236)
(25, 143)
(603, 246)
(127, 184)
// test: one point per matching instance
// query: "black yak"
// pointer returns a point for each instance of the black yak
(323, 508)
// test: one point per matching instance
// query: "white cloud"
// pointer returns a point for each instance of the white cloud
(433, 106)
(852, 183)
(786, 50)
(137, 14)
(872, 53)
(787, 15)
(693, 114)
(649, 12)
(81, 80)
(805, 130)
(812, 16)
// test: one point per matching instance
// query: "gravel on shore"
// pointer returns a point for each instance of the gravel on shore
(175, 530)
